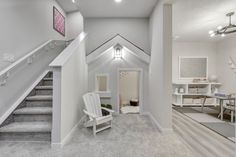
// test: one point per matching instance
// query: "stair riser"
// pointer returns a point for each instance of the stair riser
(38, 103)
(25, 136)
(47, 83)
(49, 75)
(32, 118)
(43, 92)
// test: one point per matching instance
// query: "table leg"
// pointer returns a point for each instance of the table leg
(221, 110)
(203, 103)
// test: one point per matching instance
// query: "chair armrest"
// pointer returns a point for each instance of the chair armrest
(90, 114)
(108, 110)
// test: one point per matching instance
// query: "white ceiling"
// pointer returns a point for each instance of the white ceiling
(108, 8)
(192, 19)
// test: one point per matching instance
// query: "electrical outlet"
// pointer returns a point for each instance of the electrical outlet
(7, 57)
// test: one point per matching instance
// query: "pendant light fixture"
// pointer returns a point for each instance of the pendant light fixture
(223, 31)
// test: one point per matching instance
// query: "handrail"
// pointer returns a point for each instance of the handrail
(65, 55)
(122, 38)
(5, 73)
(10, 67)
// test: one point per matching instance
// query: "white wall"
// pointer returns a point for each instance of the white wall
(160, 72)
(129, 85)
(73, 87)
(101, 29)
(75, 25)
(25, 24)
(193, 49)
(70, 81)
(226, 76)
(107, 65)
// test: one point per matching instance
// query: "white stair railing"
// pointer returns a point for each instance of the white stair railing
(29, 57)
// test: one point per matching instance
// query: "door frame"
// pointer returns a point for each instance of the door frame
(140, 86)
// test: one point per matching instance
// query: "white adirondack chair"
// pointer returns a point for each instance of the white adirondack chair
(94, 111)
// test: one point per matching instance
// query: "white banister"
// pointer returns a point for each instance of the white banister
(65, 55)
(10, 67)
(5, 73)
(69, 84)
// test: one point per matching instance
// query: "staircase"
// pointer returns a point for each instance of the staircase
(202, 140)
(32, 120)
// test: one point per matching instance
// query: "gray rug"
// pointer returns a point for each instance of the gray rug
(225, 129)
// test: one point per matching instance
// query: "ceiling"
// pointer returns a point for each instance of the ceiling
(192, 19)
(108, 8)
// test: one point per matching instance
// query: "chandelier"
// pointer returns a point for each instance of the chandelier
(222, 31)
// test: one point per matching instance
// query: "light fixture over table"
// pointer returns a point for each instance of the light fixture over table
(118, 1)
(222, 31)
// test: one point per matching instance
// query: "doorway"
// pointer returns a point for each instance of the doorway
(129, 91)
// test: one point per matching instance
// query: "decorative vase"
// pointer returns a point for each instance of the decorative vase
(176, 90)
(213, 78)
(181, 90)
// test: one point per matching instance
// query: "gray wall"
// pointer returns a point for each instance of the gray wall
(226, 76)
(160, 76)
(193, 49)
(75, 25)
(25, 24)
(101, 29)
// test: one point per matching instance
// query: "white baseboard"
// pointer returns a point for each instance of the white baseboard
(157, 124)
(68, 137)
(22, 97)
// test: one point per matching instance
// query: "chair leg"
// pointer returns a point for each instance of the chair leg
(232, 116)
(94, 129)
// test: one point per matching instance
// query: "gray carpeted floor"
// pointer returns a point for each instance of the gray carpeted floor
(131, 136)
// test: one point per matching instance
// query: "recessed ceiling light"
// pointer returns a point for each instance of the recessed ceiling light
(176, 37)
(223, 35)
(219, 27)
(118, 1)
(73, 1)
(211, 32)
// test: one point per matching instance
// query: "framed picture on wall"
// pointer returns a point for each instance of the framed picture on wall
(58, 21)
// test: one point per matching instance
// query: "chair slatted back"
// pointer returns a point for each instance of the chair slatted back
(93, 104)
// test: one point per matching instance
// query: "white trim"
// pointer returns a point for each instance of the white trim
(23, 58)
(157, 124)
(56, 107)
(68, 137)
(140, 86)
(21, 98)
(187, 78)
(68, 51)
(118, 40)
